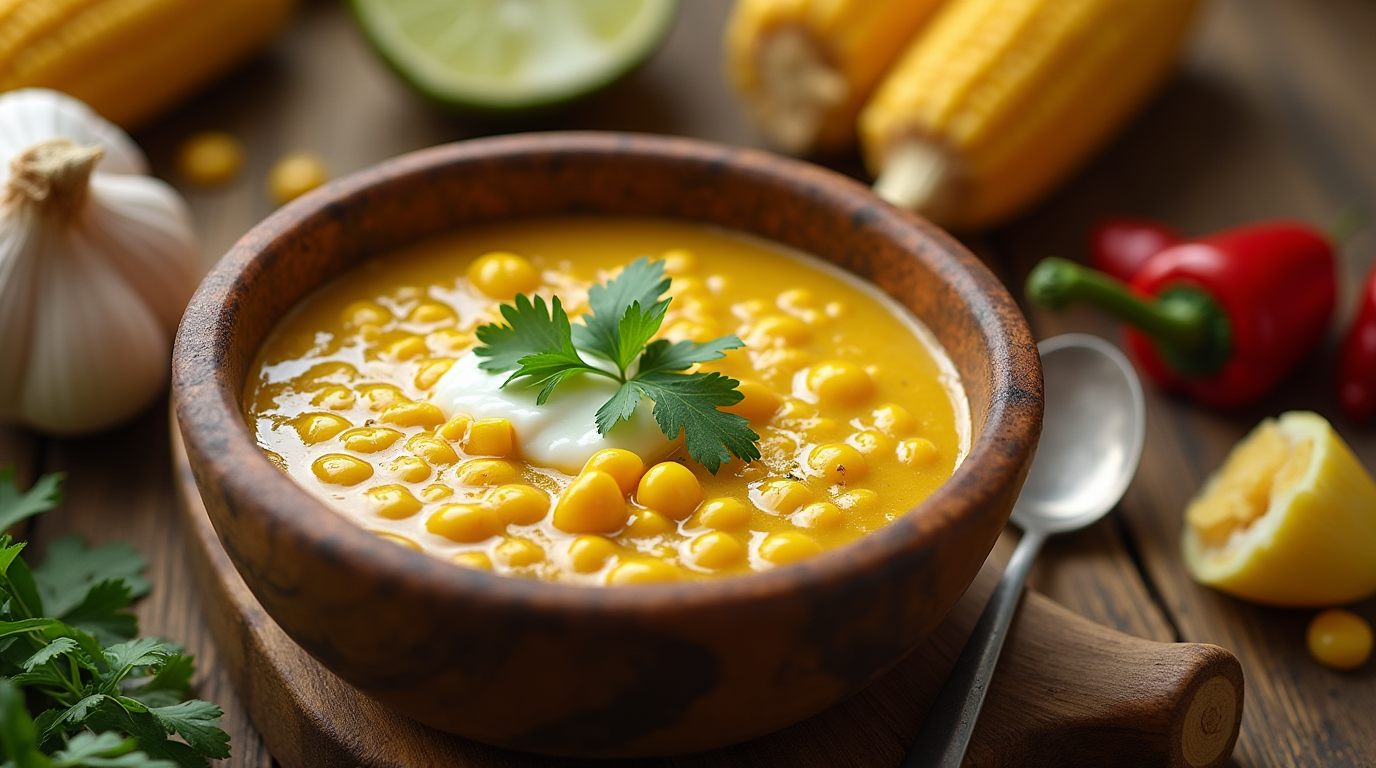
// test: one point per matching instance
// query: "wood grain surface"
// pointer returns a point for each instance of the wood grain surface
(1272, 114)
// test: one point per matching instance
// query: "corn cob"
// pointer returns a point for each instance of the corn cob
(805, 67)
(998, 100)
(129, 58)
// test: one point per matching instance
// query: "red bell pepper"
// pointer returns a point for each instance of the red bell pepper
(1120, 245)
(1222, 318)
(1357, 365)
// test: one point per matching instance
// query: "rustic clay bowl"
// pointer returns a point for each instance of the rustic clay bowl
(596, 671)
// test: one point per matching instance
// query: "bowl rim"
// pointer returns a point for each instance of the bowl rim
(208, 405)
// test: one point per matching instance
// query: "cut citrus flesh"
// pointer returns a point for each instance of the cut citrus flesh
(513, 55)
(1289, 519)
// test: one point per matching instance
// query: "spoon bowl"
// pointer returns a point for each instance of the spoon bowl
(1092, 437)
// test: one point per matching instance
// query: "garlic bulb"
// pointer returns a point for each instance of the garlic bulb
(97, 262)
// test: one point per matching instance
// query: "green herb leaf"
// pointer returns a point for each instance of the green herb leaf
(111, 715)
(170, 685)
(532, 328)
(18, 737)
(687, 404)
(137, 654)
(104, 750)
(58, 647)
(70, 570)
(620, 407)
(663, 355)
(197, 722)
(102, 613)
(15, 506)
(641, 282)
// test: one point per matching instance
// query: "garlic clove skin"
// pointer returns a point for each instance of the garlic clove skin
(149, 239)
(30, 115)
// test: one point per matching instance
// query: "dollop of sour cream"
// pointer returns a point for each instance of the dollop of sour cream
(562, 433)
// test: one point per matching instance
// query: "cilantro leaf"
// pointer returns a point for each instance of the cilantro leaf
(169, 685)
(58, 647)
(532, 328)
(197, 722)
(687, 404)
(70, 570)
(102, 612)
(136, 654)
(643, 282)
(663, 355)
(15, 506)
(104, 750)
(636, 328)
(111, 714)
(621, 406)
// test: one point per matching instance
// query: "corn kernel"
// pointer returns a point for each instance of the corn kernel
(750, 308)
(723, 514)
(819, 514)
(519, 553)
(455, 429)
(643, 572)
(645, 523)
(378, 396)
(294, 175)
(324, 374)
(341, 469)
(430, 371)
(917, 452)
(840, 381)
(671, 489)
(835, 309)
(335, 397)
(781, 496)
(464, 523)
(788, 547)
(404, 348)
(758, 402)
(487, 472)
(1339, 639)
(503, 275)
(210, 158)
(678, 261)
(796, 298)
(449, 341)
(490, 437)
(837, 462)
(871, 442)
(398, 540)
(687, 330)
(412, 415)
(778, 330)
(393, 502)
(319, 427)
(684, 287)
(715, 551)
(478, 561)
(894, 420)
(432, 312)
(436, 491)
(409, 469)
(624, 466)
(589, 553)
(432, 449)
(858, 500)
(592, 503)
(369, 439)
(519, 504)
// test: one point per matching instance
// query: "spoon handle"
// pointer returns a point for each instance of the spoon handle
(950, 722)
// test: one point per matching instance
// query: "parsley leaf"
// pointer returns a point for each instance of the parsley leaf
(15, 506)
(541, 347)
(104, 750)
(70, 570)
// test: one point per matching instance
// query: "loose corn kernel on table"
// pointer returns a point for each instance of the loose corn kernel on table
(1271, 114)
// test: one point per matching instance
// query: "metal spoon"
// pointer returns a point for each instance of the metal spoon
(1092, 438)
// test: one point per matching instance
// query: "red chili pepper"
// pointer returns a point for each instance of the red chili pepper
(1222, 318)
(1122, 244)
(1357, 366)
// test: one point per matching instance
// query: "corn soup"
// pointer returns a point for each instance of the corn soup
(859, 413)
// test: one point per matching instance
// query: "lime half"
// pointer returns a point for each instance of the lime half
(513, 55)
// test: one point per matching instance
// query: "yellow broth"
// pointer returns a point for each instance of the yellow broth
(860, 414)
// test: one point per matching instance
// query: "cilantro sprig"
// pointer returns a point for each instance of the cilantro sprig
(541, 347)
(65, 640)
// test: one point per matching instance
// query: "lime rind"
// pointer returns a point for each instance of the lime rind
(510, 56)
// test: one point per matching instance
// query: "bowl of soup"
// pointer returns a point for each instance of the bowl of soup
(489, 559)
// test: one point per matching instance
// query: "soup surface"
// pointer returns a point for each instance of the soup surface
(859, 413)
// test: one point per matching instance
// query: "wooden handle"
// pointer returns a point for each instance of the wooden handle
(1067, 693)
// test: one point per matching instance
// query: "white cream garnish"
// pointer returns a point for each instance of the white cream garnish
(562, 433)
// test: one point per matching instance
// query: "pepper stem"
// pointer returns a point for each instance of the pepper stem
(1191, 331)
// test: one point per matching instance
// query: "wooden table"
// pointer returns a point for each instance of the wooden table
(1273, 114)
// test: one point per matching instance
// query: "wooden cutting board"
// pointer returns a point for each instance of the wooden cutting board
(1067, 693)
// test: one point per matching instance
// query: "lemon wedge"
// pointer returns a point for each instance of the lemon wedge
(1288, 520)
(498, 56)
